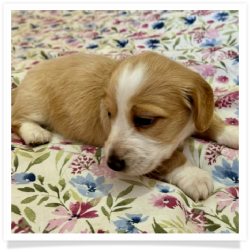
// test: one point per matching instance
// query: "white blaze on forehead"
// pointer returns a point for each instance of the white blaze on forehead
(128, 83)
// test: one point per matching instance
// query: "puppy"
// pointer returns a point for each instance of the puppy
(140, 108)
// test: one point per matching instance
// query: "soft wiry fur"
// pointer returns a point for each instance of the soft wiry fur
(73, 95)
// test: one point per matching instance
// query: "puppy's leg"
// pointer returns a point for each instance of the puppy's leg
(193, 181)
(26, 122)
(221, 132)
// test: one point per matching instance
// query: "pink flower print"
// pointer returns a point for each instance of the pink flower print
(122, 30)
(89, 149)
(211, 33)
(103, 170)
(65, 142)
(69, 219)
(209, 52)
(195, 216)
(202, 141)
(190, 63)
(227, 100)
(22, 226)
(17, 141)
(162, 201)
(222, 79)
(152, 17)
(64, 53)
(206, 70)
(86, 231)
(144, 26)
(138, 35)
(230, 154)
(81, 163)
(212, 152)
(232, 121)
(201, 12)
(218, 92)
(198, 36)
(229, 198)
(210, 21)
(55, 147)
(116, 22)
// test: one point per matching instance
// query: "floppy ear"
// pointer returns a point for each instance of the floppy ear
(200, 97)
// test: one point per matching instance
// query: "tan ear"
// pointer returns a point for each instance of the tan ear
(200, 95)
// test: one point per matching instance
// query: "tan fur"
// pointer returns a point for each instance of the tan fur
(167, 166)
(217, 126)
(72, 95)
(66, 94)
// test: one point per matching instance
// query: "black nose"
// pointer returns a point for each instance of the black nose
(115, 163)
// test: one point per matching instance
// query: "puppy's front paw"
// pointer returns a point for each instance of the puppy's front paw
(33, 134)
(194, 182)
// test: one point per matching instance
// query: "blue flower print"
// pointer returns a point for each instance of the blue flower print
(225, 232)
(158, 25)
(122, 13)
(236, 81)
(211, 43)
(92, 46)
(30, 38)
(152, 43)
(23, 178)
(237, 112)
(236, 60)
(22, 57)
(39, 45)
(227, 174)
(164, 189)
(89, 187)
(221, 16)
(71, 40)
(54, 25)
(190, 20)
(122, 43)
(128, 225)
(90, 26)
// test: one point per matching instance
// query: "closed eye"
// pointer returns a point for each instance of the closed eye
(143, 122)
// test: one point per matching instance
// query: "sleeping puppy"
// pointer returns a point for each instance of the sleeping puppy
(140, 108)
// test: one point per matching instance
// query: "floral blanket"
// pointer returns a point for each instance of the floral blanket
(65, 186)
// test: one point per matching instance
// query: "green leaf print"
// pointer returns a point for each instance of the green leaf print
(40, 188)
(66, 196)
(41, 179)
(15, 209)
(45, 198)
(26, 189)
(109, 201)
(30, 214)
(157, 228)
(125, 202)
(29, 199)
(125, 192)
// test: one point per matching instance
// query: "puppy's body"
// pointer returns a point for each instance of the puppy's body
(142, 108)
(65, 95)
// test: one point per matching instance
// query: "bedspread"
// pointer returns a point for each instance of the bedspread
(65, 186)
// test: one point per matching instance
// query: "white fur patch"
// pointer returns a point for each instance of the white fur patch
(193, 181)
(34, 133)
(229, 137)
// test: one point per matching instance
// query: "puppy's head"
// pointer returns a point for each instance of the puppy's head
(153, 104)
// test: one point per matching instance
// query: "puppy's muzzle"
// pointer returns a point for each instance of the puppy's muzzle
(115, 163)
